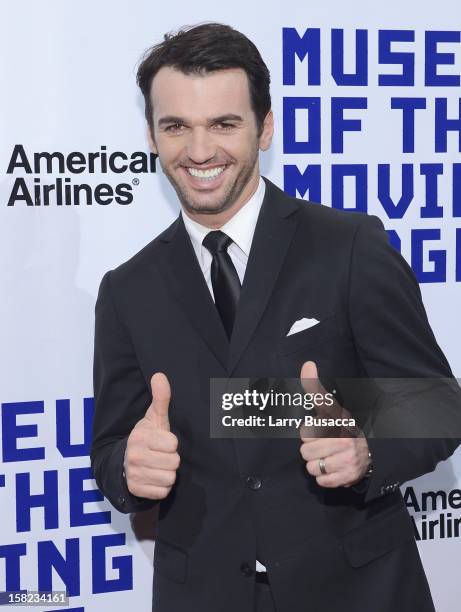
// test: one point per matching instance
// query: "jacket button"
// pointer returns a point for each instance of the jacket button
(252, 482)
(121, 499)
(246, 570)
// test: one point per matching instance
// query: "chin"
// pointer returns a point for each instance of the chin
(205, 205)
(205, 209)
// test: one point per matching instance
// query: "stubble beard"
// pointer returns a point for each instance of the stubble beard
(229, 197)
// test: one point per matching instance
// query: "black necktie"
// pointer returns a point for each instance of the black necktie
(224, 278)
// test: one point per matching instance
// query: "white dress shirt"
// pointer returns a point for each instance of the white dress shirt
(240, 228)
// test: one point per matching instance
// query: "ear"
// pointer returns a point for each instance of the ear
(151, 141)
(268, 131)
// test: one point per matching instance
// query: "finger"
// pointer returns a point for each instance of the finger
(161, 395)
(152, 476)
(306, 438)
(333, 464)
(323, 447)
(331, 481)
(162, 461)
(152, 459)
(162, 478)
(149, 491)
(163, 441)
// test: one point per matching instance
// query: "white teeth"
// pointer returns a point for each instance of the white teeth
(206, 175)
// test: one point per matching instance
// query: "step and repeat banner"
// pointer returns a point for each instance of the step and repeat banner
(368, 117)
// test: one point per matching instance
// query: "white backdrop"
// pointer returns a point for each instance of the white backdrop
(68, 85)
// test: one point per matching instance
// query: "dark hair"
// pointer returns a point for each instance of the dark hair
(204, 48)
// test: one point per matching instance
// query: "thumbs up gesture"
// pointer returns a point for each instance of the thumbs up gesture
(151, 457)
(334, 461)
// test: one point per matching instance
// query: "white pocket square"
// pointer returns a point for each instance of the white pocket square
(302, 324)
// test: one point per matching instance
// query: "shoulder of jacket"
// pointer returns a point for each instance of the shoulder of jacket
(141, 261)
(326, 215)
(317, 214)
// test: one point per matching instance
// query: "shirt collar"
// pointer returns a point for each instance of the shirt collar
(240, 228)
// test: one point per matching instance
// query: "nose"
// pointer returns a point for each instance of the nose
(200, 147)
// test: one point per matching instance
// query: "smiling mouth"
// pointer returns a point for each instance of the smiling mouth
(208, 175)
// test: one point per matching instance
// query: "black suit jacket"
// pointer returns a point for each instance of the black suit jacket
(324, 549)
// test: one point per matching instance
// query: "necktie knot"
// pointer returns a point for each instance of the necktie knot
(216, 242)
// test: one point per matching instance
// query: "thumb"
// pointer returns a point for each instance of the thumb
(326, 407)
(310, 378)
(311, 385)
(161, 395)
(309, 371)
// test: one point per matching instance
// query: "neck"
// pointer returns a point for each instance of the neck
(215, 221)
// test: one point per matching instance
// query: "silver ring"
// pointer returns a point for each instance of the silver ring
(322, 466)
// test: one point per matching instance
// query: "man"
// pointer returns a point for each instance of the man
(254, 524)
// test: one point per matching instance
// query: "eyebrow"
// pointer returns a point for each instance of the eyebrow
(221, 119)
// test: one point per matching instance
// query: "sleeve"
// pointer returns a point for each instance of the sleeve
(121, 398)
(394, 340)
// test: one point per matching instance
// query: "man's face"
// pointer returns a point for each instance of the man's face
(205, 135)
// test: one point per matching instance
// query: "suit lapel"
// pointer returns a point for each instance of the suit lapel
(184, 278)
(274, 230)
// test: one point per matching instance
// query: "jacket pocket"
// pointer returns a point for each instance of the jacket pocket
(170, 561)
(378, 536)
(327, 329)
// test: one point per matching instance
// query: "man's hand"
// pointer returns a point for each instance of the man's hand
(345, 459)
(151, 457)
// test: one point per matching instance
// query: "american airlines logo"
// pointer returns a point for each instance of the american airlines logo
(31, 190)
(435, 514)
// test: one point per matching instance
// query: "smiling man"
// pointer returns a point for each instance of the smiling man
(249, 282)
(211, 161)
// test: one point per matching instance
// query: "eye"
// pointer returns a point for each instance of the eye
(224, 126)
(174, 127)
